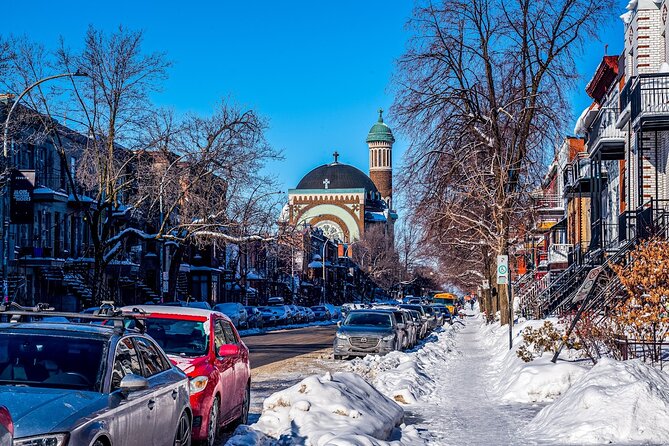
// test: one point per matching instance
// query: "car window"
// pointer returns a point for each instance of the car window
(152, 359)
(230, 337)
(125, 361)
(373, 319)
(219, 335)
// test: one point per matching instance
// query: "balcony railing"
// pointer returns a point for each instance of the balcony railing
(559, 253)
(648, 97)
(578, 170)
(549, 201)
(603, 129)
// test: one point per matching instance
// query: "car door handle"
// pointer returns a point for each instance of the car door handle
(174, 394)
(151, 404)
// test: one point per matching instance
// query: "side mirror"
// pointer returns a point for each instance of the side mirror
(133, 383)
(228, 350)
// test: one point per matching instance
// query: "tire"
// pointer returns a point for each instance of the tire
(338, 357)
(212, 426)
(182, 437)
(244, 417)
(98, 443)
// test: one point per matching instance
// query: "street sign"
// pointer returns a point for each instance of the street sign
(485, 284)
(502, 270)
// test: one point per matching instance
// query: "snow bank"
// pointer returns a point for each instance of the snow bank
(527, 382)
(407, 376)
(616, 402)
(338, 409)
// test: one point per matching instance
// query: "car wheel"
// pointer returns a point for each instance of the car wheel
(212, 426)
(98, 443)
(183, 435)
(338, 357)
(244, 417)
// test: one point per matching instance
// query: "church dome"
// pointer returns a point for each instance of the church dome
(380, 131)
(337, 176)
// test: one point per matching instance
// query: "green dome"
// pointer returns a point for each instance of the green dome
(380, 131)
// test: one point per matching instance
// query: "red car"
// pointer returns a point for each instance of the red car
(206, 346)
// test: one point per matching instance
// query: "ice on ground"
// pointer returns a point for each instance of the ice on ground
(333, 409)
(615, 402)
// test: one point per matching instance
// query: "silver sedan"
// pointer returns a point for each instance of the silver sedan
(91, 385)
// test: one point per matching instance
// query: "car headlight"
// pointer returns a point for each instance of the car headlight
(42, 440)
(198, 384)
(389, 338)
(341, 336)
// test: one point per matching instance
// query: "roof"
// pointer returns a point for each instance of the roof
(380, 131)
(606, 73)
(61, 328)
(337, 176)
(166, 309)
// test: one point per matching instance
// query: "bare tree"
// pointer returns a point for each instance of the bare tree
(482, 91)
(376, 257)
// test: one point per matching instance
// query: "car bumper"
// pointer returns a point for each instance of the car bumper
(344, 348)
(200, 403)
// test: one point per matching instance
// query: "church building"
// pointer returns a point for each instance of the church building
(342, 200)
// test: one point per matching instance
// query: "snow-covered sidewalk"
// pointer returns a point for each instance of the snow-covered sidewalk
(464, 407)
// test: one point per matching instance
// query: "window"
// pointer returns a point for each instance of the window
(230, 337)
(153, 361)
(219, 335)
(125, 361)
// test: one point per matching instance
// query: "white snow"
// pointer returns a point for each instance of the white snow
(463, 385)
(333, 409)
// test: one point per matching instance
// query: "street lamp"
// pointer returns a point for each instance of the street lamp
(5, 152)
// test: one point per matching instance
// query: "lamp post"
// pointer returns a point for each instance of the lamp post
(6, 199)
(325, 245)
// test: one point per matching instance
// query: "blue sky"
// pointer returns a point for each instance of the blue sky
(317, 70)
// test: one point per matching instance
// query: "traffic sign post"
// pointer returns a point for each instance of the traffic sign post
(503, 278)
(502, 270)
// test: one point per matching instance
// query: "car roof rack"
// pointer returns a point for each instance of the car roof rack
(107, 312)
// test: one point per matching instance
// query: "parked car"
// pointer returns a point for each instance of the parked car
(403, 328)
(126, 391)
(254, 317)
(297, 315)
(367, 331)
(236, 312)
(269, 317)
(445, 313)
(432, 317)
(6, 427)
(311, 317)
(420, 326)
(282, 314)
(425, 328)
(190, 304)
(321, 313)
(335, 312)
(207, 347)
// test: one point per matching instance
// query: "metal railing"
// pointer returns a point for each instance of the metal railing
(604, 127)
(549, 201)
(646, 93)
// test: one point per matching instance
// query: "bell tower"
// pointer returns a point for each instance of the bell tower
(380, 141)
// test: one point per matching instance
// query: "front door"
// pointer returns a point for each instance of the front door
(165, 391)
(132, 416)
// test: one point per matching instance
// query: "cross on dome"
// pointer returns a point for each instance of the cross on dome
(336, 157)
(326, 183)
(380, 115)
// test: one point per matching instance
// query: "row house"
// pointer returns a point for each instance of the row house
(615, 180)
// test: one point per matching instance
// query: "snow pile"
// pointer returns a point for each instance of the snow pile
(339, 409)
(407, 376)
(616, 402)
(526, 382)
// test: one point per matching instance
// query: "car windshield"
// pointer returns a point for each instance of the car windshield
(179, 337)
(418, 308)
(428, 310)
(39, 360)
(374, 319)
(227, 308)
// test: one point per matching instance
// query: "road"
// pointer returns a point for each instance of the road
(280, 345)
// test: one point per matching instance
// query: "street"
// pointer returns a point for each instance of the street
(280, 345)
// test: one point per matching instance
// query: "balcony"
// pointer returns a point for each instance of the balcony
(577, 176)
(647, 97)
(559, 253)
(604, 138)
